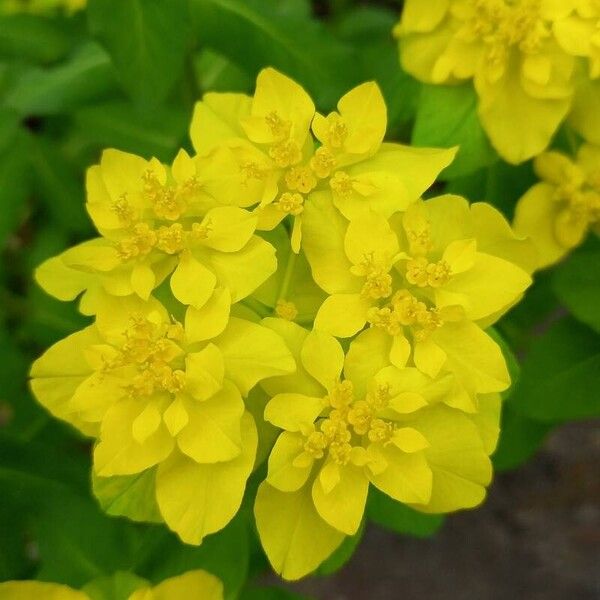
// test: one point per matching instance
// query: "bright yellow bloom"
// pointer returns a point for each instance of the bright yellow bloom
(185, 221)
(388, 427)
(193, 584)
(41, 6)
(421, 283)
(558, 212)
(270, 134)
(520, 55)
(159, 393)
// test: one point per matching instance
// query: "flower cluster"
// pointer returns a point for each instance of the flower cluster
(193, 584)
(558, 212)
(228, 275)
(532, 62)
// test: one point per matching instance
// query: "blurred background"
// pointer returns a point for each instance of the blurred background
(75, 82)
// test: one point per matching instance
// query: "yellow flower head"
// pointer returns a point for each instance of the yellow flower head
(185, 222)
(295, 153)
(558, 212)
(342, 431)
(159, 393)
(193, 584)
(520, 55)
(421, 282)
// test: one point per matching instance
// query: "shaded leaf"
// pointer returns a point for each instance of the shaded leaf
(447, 117)
(147, 41)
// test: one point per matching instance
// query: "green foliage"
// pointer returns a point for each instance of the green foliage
(252, 34)
(577, 285)
(447, 117)
(126, 74)
(400, 518)
(147, 41)
(560, 375)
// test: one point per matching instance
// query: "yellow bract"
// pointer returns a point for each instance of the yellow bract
(423, 282)
(193, 584)
(185, 221)
(270, 134)
(191, 256)
(159, 393)
(558, 212)
(347, 424)
(521, 56)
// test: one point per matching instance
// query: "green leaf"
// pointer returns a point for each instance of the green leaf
(560, 375)
(118, 124)
(577, 285)
(216, 73)
(398, 517)
(512, 363)
(39, 469)
(32, 38)
(253, 35)
(59, 185)
(86, 76)
(447, 117)
(363, 24)
(78, 543)
(147, 41)
(520, 438)
(225, 554)
(342, 554)
(131, 496)
(15, 182)
(115, 587)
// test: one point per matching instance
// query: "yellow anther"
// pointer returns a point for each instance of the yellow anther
(139, 244)
(384, 318)
(171, 239)
(323, 162)
(122, 209)
(340, 452)
(285, 154)
(419, 241)
(290, 203)
(359, 416)
(279, 128)
(422, 273)
(341, 184)
(286, 310)
(341, 394)
(251, 170)
(406, 307)
(380, 397)
(337, 131)
(378, 284)
(315, 444)
(200, 231)
(380, 431)
(176, 331)
(301, 179)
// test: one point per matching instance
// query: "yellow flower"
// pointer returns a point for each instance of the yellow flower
(271, 136)
(425, 284)
(157, 222)
(341, 432)
(558, 212)
(193, 584)
(159, 393)
(520, 55)
(579, 33)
